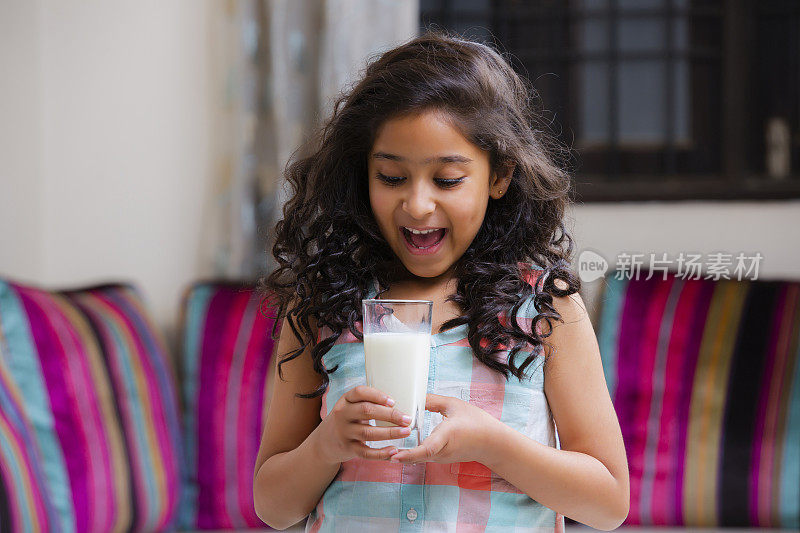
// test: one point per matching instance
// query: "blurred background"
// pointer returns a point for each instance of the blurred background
(145, 141)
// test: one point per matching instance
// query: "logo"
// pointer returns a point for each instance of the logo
(591, 266)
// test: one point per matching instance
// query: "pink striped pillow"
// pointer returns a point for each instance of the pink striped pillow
(705, 378)
(226, 354)
(102, 401)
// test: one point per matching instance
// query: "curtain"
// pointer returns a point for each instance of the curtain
(283, 64)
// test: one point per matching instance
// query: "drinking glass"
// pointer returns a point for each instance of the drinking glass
(397, 351)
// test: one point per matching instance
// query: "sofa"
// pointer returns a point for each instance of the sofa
(705, 378)
(104, 428)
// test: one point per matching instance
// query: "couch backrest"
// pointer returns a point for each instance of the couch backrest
(705, 379)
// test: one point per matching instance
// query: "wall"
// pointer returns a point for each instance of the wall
(104, 163)
(691, 227)
(21, 177)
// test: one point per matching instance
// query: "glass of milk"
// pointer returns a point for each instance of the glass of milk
(397, 350)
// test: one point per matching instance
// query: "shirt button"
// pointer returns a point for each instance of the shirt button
(411, 515)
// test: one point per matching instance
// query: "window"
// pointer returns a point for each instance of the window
(661, 99)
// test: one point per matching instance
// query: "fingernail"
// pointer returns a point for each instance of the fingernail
(406, 419)
(389, 402)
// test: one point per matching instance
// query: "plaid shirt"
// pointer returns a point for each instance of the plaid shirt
(381, 496)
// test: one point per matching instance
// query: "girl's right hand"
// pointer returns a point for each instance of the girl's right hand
(344, 430)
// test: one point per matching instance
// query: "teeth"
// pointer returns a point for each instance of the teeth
(421, 232)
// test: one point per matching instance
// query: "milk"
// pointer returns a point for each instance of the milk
(397, 364)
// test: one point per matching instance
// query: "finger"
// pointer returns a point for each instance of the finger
(374, 433)
(366, 452)
(438, 403)
(427, 451)
(372, 411)
(362, 393)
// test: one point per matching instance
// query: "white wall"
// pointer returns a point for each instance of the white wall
(104, 163)
(21, 176)
(770, 228)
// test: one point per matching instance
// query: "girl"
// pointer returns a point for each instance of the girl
(438, 135)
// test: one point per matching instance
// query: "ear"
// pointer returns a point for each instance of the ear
(501, 179)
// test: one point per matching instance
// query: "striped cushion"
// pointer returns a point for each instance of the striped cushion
(25, 503)
(102, 401)
(705, 379)
(227, 348)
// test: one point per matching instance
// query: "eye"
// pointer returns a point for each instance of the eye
(394, 181)
(447, 183)
(391, 181)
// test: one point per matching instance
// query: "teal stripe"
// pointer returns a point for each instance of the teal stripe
(527, 512)
(362, 498)
(790, 469)
(411, 497)
(509, 503)
(454, 362)
(196, 309)
(612, 298)
(349, 358)
(23, 363)
(441, 503)
(531, 513)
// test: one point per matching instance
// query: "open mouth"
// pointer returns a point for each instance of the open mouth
(425, 240)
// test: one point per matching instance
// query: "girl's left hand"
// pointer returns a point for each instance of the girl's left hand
(460, 437)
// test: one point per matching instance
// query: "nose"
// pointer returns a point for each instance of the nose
(419, 202)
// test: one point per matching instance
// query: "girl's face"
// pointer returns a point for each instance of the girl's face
(424, 174)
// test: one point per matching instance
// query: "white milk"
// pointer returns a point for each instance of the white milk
(397, 364)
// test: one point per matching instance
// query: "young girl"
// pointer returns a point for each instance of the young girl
(440, 134)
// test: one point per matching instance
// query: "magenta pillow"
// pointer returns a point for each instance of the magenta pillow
(102, 402)
(225, 359)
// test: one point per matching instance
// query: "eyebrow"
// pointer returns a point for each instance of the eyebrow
(454, 158)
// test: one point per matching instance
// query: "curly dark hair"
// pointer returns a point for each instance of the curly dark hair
(329, 247)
